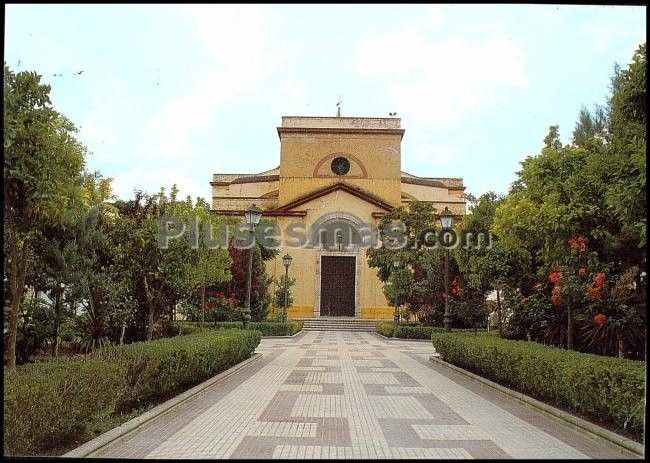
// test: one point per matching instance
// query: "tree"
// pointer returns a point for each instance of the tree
(283, 291)
(260, 281)
(594, 189)
(624, 168)
(42, 162)
(209, 266)
(589, 125)
(487, 268)
(402, 235)
(399, 286)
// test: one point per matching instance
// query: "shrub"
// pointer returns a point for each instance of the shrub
(190, 327)
(278, 328)
(48, 404)
(228, 325)
(414, 332)
(267, 328)
(385, 329)
(155, 370)
(603, 388)
(411, 330)
(52, 404)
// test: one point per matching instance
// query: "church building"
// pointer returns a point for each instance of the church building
(337, 176)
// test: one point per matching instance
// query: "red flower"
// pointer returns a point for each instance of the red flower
(600, 319)
(556, 295)
(582, 272)
(578, 243)
(594, 292)
(554, 277)
(599, 279)
(220, 294)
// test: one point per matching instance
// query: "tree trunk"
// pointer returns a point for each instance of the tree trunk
(151, 310)
(18, 269)
(57, 315)
(499, 311)
(569, 328)
(621, 347)
(13, 328)
(202, 306)
(122, 335)
(95, 307)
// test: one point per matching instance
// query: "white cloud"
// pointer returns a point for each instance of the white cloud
(238, 55)
(441, 80)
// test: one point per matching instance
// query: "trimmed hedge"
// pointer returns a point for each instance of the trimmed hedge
(412, 331)
(158, 369)
(51, 404)
(607, 389)
(47, 403)
(266, 328)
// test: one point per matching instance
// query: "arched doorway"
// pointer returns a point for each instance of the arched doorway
(336, 239)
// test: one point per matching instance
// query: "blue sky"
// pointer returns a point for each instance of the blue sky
(173, 93)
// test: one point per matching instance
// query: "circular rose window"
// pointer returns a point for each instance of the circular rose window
(340, 166)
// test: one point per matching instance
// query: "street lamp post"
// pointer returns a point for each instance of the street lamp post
(447, 221)
(253, 215)
(396, 266)
(286, 260)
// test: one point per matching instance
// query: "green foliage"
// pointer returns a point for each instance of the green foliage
(281, 284)
(399, 286)
(267, 328)
(401, 232)
(42, 160)
(48, 404)
(470, 311)
(589, 126)
(594, 189)
(385, 329)
(35, 328)
(411, 331)
(607, 389)
(260, 280)
(158, 369)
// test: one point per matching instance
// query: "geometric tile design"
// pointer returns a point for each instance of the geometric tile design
(353, 395)
(449, 432)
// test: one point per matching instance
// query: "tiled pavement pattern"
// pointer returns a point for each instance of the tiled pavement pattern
(335, 394)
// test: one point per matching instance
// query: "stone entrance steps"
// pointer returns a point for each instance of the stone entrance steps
(339, 324)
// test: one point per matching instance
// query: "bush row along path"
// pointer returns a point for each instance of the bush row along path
(334, 394)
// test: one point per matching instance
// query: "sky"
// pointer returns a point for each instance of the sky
(170, 94)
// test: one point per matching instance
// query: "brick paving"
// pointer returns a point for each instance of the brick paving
(335, 394)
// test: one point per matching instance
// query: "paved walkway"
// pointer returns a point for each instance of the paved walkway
(335, 394)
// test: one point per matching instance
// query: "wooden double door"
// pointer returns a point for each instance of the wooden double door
(337, 286)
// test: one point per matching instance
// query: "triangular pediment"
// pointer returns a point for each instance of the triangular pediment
(354, 191)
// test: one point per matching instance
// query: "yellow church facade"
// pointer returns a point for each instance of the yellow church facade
(337, 177)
